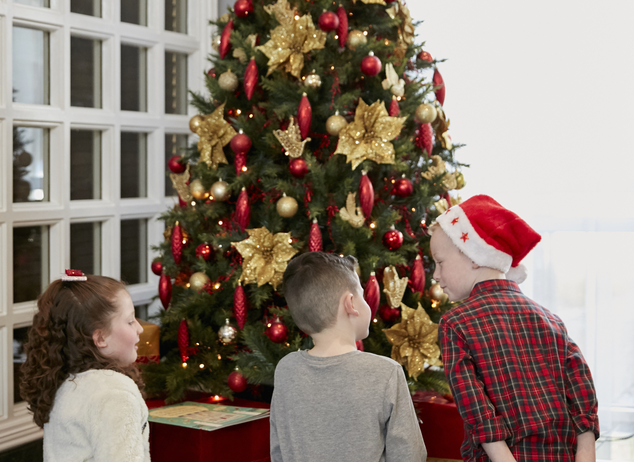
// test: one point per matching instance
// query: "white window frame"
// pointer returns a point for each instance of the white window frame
(16, 423)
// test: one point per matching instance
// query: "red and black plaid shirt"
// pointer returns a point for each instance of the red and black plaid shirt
(516, 376)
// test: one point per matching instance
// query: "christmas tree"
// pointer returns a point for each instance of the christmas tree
(324, 131)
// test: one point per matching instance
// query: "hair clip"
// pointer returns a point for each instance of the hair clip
(74, 275)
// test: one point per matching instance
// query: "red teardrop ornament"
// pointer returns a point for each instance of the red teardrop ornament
(250, 78)
(240, 306)
(315, 243)
(243, 210)
(304, 116)
(439, 82)
(177, 243)
(366, 195)
(372, 294)
(165, 290)
(225, 45)
(394, 108)
(342, 30)
(417, 276)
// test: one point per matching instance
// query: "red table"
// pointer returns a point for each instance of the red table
(247, 442)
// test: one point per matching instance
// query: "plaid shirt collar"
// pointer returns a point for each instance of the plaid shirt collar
(494, 285)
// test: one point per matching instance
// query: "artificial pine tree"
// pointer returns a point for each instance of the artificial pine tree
(324, 131)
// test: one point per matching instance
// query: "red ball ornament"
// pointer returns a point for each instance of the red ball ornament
(225, 44)
(237, 382)
(403, 187)
(417, 276)
(371, 65)
(240, 306)
(328, 21)
(243, 210)
(177, 243)
(240, 142)
(342, 30)
(389, 314)
(250, 78)
(366, 194)
(440, 83)
(277, 332)
(425, 56)
(372, 293)
(394, 108)
(203, 251)
(298, 168)
(393, 239)
(243, 8)
(157, 267)
(165, 290)
(212, 72)
(304, 116)
(175, 165)
(315, 243)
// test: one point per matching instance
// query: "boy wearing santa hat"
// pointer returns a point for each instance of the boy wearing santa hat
(522, 386)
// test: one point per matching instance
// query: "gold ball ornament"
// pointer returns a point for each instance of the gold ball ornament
(215, 42)
(335, 123)
(227, 333)
(426, 113)
(287, 206)
(220, 191)
(197, 281)
(460, 181)
(194, 123)
(228, 81)
(198, 190)
(312, 80)
(356, 38)
(436, 292)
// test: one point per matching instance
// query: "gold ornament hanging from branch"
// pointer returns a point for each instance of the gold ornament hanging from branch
(406, 31)
(291, 139)
(179, 181)
(351, 213)
(369, 135)
(265, 256)
(414, 340)
(393, 286)
(214, 133)
(291, 40)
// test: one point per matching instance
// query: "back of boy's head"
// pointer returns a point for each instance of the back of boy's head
(313, 285)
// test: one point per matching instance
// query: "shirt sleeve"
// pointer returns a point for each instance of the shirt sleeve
(482, 424)
(403, 438)
(116, 428)
(580, 392)
(276, 452)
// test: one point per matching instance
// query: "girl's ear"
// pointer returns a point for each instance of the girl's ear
(99, 339)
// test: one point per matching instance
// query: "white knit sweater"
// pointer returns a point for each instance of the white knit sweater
(98, 415)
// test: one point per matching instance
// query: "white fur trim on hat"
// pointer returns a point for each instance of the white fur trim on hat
(517, 274)
(455, 223)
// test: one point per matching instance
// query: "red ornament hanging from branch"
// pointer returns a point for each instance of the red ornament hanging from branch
(304, 116)
(426, 138)
(366, 194)
(328, 21)
(237, 382)
(277, 332)
(250, 78)
(165, 290)
(393, 239)
(157, 267)
(372, 293)
(183, 340)
(417, 276)
(225, 44)
(203, 251)
(439, 82)
(240, 145)
(298, 167)
(371, 65)
(243, 8)
(177, 243)
(176, 164)
(342, 30)
(403, 187)
(315, 243)
(394, 108)
(240, 306)
(243, 210)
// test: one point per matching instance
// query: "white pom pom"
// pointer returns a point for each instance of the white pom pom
(517, 274)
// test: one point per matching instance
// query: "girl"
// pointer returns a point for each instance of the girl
(79, 377)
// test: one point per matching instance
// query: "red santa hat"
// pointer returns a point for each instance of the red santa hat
(490, 235)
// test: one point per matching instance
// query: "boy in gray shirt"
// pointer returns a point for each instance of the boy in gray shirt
(333, 402)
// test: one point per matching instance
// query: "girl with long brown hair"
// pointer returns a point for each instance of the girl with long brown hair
(79, 377)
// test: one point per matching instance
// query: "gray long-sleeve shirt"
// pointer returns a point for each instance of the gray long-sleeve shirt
(353, 407)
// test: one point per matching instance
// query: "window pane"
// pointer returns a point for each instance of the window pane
(30, 164)
(85, 72)
(89, 7)
(133, 78)
(30, 66)
(133, 164)
(175, 83)
(141, 311)
(85, 164)
(134, 251)
(40, 3)
(174, 146)
(176, 15)
(85, 247)
(134, 12)
(20, 337)
(30, 262)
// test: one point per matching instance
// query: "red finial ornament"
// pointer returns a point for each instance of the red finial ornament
(183, 340)
(439, 82)
(342, 30)
(372, 293)
(243, 210)
(225, 44)
(304, 116)
(394, 109)
(250, 78)
(315, 243)
(177, 243)
(417, 276)
(165, 290)
(366, 194)
(240, 306)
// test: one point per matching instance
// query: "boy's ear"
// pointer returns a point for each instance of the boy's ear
(99, 339)
(348, 306)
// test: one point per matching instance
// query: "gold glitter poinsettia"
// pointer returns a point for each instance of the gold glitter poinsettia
(290, 41)
(214, 132)
(406, 31)
(265, 256)
(414, 340)
(291, 139)
(179, 181)
(369, 135)
(393, 286)
(282, 12)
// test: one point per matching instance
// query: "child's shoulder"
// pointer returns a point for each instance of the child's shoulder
(94, 381)
(355, 360)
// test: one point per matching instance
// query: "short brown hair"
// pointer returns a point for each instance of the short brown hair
(313, 285)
